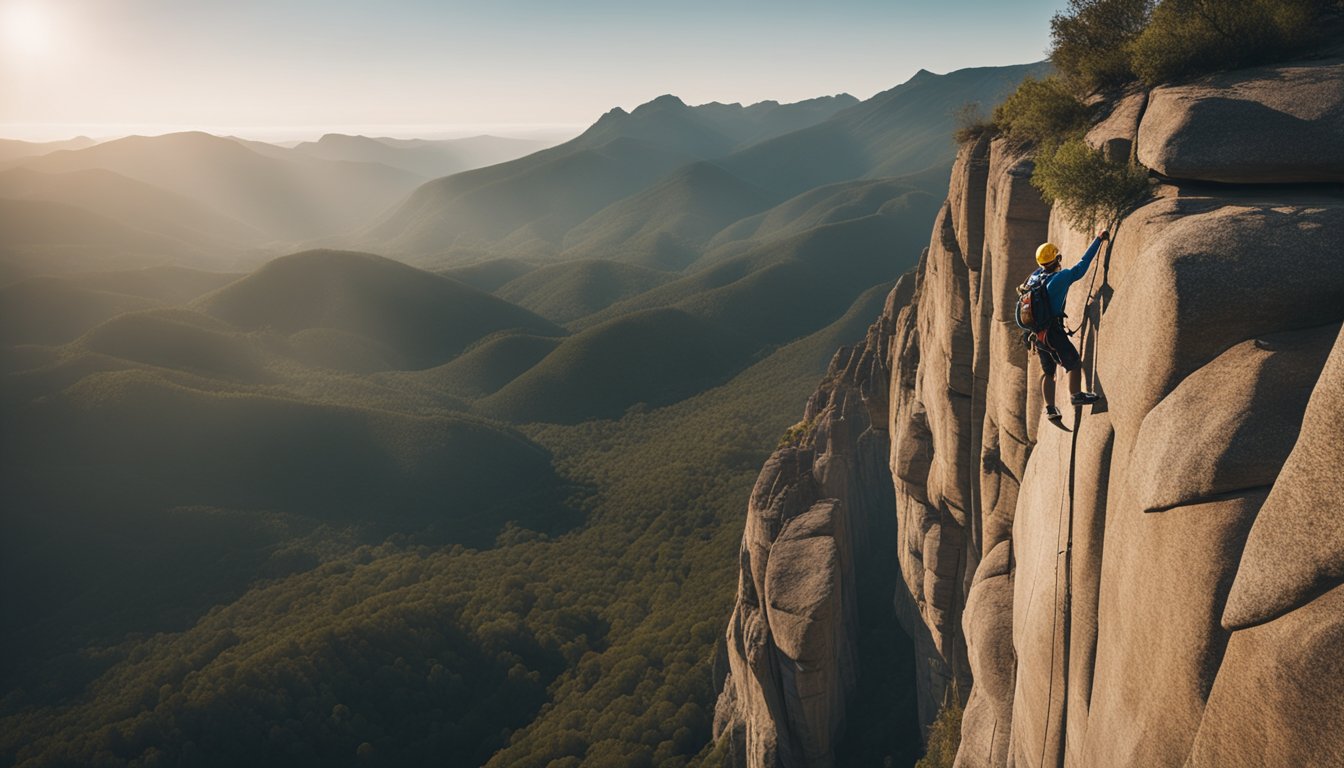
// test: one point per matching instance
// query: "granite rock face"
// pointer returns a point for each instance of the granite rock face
(818, 524)
(1160, 544)
(1158, 580)
(1275, 125)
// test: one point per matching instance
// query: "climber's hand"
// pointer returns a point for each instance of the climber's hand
(1104, 236)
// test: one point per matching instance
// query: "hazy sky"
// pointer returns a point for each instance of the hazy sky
(294, 68)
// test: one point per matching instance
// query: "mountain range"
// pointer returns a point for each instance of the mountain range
(219, 202)
(479, 440)
(678, 160)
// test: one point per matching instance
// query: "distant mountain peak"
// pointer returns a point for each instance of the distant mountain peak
(665, 101)
(192, 135)
(613, 114)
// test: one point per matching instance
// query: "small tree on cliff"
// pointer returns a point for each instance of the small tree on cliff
(971, 122)
(944, 738)
(1041, 112)
(1089, 42)
(1089, 188)
(1100, 44)
(1192, 37)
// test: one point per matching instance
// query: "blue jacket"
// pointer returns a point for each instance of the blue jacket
(1057, 285)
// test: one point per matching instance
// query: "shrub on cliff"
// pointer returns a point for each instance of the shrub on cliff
(971, 122)
(1099, 44)
(944, 739)
(1090, 41)
(1041, 111)
(1192, 37)
(1089, 188)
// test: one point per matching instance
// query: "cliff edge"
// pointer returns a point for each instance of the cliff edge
(1157, 581)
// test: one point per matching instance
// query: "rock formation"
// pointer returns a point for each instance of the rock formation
(818, 525)
(1158, 581)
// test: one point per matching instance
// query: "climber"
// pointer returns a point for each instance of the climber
(1051, 342)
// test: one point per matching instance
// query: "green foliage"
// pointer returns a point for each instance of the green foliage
(1089, 41)
(971, 122)
(656, 357)
(1090, 188)
(489, 364)
(944, 738)
(1192, 37)
(795, 435)
(570, 290)
(340, 631)
(1041, 111)
(1098, 44)
(420, 318)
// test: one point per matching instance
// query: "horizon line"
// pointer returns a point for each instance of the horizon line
(101, 132)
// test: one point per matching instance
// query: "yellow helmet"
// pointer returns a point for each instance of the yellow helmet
(1046, 253)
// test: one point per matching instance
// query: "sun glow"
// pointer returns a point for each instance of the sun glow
(26, 31)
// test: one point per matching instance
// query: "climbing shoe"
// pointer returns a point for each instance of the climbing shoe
(1084, 398)
(1052, 413)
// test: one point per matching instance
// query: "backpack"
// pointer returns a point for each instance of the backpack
(1033, 311)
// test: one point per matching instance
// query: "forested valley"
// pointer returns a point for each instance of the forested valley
(441, 469)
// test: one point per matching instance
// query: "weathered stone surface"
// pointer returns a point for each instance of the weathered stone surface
(1038, 600)
(1296, 546)
(1016, 223)
(819, 513)
(1278, 699)
(1093, 452)
(988, 621)
(966, 198)
(931, 463)
(1164, 578)
(1277, 124)
(1195, 275)
(1155, 581)
(1116, 133)
(803, 609)
(1187, 452)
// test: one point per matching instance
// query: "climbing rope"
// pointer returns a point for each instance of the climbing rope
(1054, 619)
(1067, 529)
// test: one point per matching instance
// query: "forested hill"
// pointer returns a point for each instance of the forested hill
(474, 504)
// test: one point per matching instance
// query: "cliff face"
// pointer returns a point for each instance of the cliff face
(817, 523)
(1157, 581)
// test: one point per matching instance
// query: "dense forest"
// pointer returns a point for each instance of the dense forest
(476, 505)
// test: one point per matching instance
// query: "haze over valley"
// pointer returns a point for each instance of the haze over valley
(600, 385)
(512, 393)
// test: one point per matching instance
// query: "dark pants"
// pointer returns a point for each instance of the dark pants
(1057, 350)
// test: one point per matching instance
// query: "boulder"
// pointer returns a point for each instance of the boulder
(803, 609)
(1296, 546)
(1193, 275)
(1278, 698)
(818, 518)
(1279, 124)
(1116, 133)
(1188, 452)
(1164, 579)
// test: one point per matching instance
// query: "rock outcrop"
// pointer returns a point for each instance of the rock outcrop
(818, 525)
(1157, 581)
